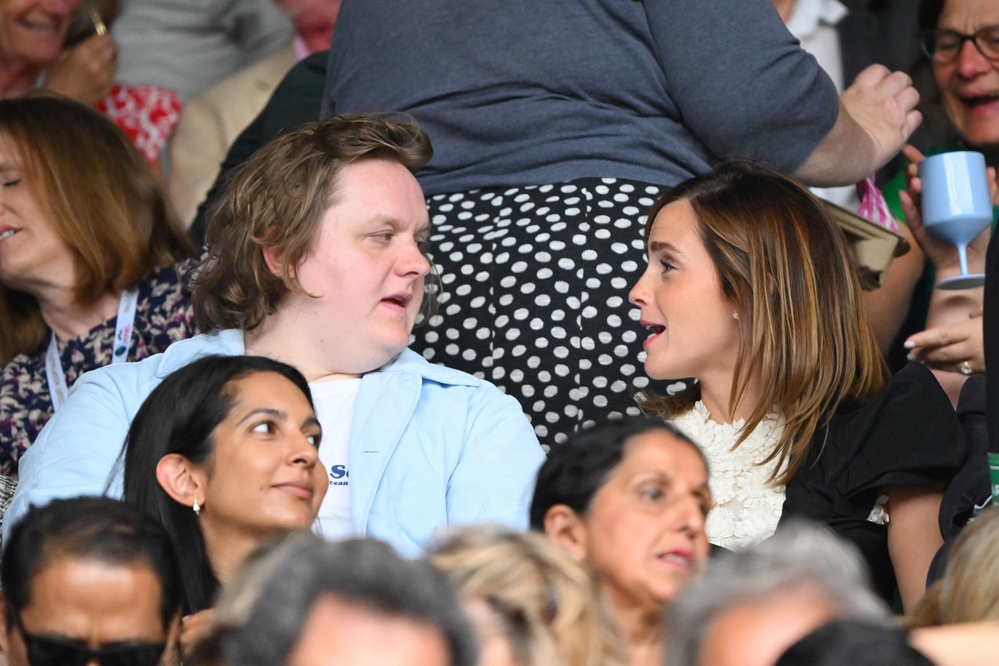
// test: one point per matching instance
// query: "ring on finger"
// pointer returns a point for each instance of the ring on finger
(966, 369)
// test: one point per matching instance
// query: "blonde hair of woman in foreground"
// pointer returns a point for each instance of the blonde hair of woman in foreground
(531, 603)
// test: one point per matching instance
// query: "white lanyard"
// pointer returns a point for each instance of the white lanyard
(119, 347)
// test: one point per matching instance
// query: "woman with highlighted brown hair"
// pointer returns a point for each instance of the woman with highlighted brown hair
(751, 288)
(89, 252)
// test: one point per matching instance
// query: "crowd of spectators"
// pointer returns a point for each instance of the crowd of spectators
(507, 333)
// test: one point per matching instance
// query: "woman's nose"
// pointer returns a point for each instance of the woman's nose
(637, 295)
(60, 7)
(303, 451)
(971, 62)
(689, 515)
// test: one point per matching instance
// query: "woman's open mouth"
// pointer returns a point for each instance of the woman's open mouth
(654, 331)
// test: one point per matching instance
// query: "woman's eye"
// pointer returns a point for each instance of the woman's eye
(12, 182)
(652, 493)
(264, 427)
(666, 266)
(315, 439)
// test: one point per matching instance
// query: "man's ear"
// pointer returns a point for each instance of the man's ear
(273, 257)
(182, 480)
(566, 529)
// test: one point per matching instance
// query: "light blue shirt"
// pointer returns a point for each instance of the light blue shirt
(429, 446)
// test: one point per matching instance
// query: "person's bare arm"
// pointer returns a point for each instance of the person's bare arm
(889, 304)
(913, 537)
(877, 114)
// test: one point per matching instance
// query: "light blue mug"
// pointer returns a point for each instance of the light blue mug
(956, 205)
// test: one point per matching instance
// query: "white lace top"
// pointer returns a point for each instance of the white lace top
(746, 508)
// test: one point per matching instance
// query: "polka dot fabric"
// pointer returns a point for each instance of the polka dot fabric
(535, 297)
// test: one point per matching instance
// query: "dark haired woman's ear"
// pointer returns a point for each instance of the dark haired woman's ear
(5, 627)
(565, 529)
(182, 480)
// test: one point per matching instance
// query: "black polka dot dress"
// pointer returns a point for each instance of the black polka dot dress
(535, 296)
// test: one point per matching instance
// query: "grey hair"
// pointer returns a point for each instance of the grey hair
(260, 615)
(800, 554)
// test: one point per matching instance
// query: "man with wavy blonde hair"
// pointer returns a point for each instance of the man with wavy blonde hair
(316, 257)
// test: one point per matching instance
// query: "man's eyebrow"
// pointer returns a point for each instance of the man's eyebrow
(396, 223)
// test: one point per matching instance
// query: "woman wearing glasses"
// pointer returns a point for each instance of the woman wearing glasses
(961, 40)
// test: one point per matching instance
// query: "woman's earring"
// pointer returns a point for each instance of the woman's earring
(197, 508)
(735, 315)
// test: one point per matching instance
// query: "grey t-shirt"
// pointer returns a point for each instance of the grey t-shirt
(516, 92)
(190, 45)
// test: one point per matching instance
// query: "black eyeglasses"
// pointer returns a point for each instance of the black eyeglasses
(942, 45)
(53, 651)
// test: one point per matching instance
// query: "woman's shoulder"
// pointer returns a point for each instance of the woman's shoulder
(164, 313)
(172, 280)
(912, 395)
(908, 433)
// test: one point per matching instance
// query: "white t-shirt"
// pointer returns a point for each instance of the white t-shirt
(334, 402)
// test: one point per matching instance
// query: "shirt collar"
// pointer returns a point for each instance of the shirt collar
(809, 15)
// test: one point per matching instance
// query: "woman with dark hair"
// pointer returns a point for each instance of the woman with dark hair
(223, 453)
(751, 288)
(629, 499)
(88, 247)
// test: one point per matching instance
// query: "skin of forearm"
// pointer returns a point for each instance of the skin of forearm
(888, 305)
(948, 307)
(913, 537)
(845, 156)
